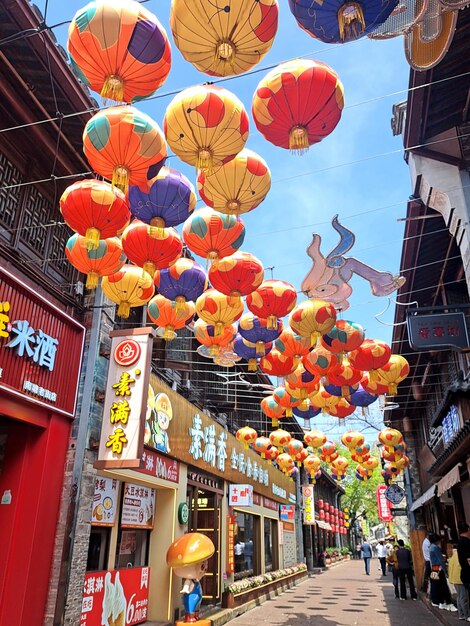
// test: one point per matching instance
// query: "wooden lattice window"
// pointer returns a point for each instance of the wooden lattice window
(37, 212)
(9, 198)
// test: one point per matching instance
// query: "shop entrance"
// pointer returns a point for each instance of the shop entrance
(204, 503)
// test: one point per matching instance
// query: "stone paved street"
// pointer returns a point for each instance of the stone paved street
(342, 595)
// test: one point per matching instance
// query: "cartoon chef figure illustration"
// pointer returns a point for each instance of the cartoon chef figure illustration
(163, 414)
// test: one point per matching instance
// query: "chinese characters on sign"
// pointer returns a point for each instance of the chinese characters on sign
(240, 495)
(286, 512)
(138, 507)
(230, 544)
(383, 505)
(438, 331)
(105, 501)
(308, 505)
(450, 424)
(36, 345)
(160, 466)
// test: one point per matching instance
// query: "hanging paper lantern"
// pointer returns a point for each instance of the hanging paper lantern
(249, 351)
(390, 437)
(393, 372)
(168, 316)
(400, 448)
(237, 187)
(361, 453)
(184, 280)
(129, 287)
(320, 361)
(307, 413)
(362, 398)
(294, 447)
(315, 439)
(166, 200)
(223, 39)
(362, 474)
(285, 462)
(151, 253)
(341, 409)
(328, 452)
(276, 364)
(205, 334)
(352, 439)
(392, 456)
(344, 376)
(294, 472)
(340, 465)
(312, 318)
(261, 445)
(340, 21)
(402, 462)
(370, 355)
(298, 103)
(271, 300)
(291, 345)
(303, 380)
(323, 400)
(272, 409)
(218, 310)
(391, 469)
(301, 456)
(236, 275)
(94, 210)
(206, 126)
(371, 463)
(312, 464)
(104, 260)
(256, 331)
(344, 337)
(341, 392)
(211, 235)
(271, 453)
(280, 438)
(119, 49)
(246, 436)
(373, 387)
(121, 144)
(284, 399)
(301, 394)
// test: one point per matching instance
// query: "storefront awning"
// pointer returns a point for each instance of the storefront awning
(322, 524)
(427, 495)
(449, 480)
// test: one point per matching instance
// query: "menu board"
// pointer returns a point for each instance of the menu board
(138, 507)
(105, 501)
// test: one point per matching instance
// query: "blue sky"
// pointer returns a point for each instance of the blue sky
(308, 190)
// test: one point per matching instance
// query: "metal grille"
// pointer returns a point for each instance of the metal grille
(57, 254)
(9, 198)
(36, 213)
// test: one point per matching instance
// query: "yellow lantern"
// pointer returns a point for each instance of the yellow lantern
(280, 438)
(285, 462)
(352, 439)
(128, 287)
(390, 437)
(315, 439)
(312, 318)
(218, 310)
(246, 435)
(312, 464)
(393, 372)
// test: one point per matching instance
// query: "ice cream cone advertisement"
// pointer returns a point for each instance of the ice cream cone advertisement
(115, 598)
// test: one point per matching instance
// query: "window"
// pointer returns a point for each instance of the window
(246, 553)
(98, 548)
(268, 544)
(132, 548)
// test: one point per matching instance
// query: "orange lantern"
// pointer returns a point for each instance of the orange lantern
(271, 453)
(271, 300)
(280, 438)
(315, 439)
(236, 275)
(277, 364)
(272, 409)
(151, 253)
(328, 452)
(312, 318)
(285, 462)
(121, 144)
(292, 345)
(393, 372)
(128, 287)
(211, 235)
(218, 310)
(206, 336)
(169, 316)
(361, 453)
(246, 436)
(370, 355)
(320, 361)
(294, 447)
(341, 409)
(301, 456)
(261, 445)
(104, 260)
(284, 399)
(352, 439)
(94, 210)
(340, 465)
(303, 381)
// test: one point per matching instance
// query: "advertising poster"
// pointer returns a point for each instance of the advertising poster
(240, 495)
(138, 507)
(287, 512)
(115, 598)
(105, 501)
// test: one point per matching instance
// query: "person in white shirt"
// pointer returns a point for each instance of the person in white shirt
(382, 555)
(427, 562)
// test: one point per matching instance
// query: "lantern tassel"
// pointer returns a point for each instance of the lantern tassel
(204, 160)
(218, 329)
(150, 268)
(392, 389)
(288, 412)
(260, 347)
(351, 21)
(214, 350)
(271, 322)
(298, 140)
(314, 337)
(124, 309)
(92, 238)
(157, 228)
(169, 333)
(113, 89)
(252, 365)
(92, 280)
(120, 178)
(180, 305)
(275, 422)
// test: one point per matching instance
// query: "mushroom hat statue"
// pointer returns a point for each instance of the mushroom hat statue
(188, 556)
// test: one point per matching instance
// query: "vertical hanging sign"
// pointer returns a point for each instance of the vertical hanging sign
(383, 505)
(308, 505)
(125, 404)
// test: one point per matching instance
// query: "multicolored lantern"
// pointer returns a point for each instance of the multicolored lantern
(324, 400)
(328, 452)
(256, 331)
(285, 462)
(236, 275)
(246, 436)
(302, 380)
(320, 361)
(294, 447)
(315, 439)
(363, 474)
(362, 398)
(280, 438)
(249, 351)
(128, 287)
(94, 210)
(119, 49)
(344, 376)
(205, 334)
(291, 345)
(121, 144)
(151, 253)
(371, 463)
(218, 310)
(307, 412)
(211, 235)
(206, 126)
(271, 300)
(298, 103)
(168, 316)
(184, 280)
(261, 445)
(224, 39)
(361, 453)
(373, 387)
(277, 364)
(352, 439)
(271, 453)
(272, 409)
(393, 372)
(341, 392)
(104, 260)
(344, 337)
(370, 356)
(341, 409)
(166, 200)
(237, 187)
(284, 399)
(312, 318)
(390, 437)
(340, 465)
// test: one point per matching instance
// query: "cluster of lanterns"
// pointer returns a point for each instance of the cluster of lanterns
(335, 517)
(393, 453)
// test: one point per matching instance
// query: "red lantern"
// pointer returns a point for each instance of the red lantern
(272, 299)
(284, 399)
(370, 355)
(276, 364)
(321, 514)
(151, 253)
(236, 275)
(320, 504)
(326, 506)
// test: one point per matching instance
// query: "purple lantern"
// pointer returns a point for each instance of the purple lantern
(342, 392)
(307, 415)
(255, 330)
(248, 351)
(182, 281)
(362, 398)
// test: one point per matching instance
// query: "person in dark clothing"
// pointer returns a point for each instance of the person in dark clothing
(463, 551)
(405, 571)
(440, 594)
(366, 555)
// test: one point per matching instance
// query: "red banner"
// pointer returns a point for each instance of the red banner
(383, 505)
(160, 466)
(116, 598)
(230, 544)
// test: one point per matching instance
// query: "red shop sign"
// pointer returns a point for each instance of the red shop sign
(383, 505)
(40, 348)
(160, 466)
(118, 597)
(230, 544)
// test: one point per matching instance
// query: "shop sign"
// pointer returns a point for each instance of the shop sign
(117, 597)
(240, 495)
(126, 398)
(439, 331)
(394, 493)
(292, 498)
(138, 507)
(450, 424)
(256, 499)
(270, 504)
(183, 513)
(286, 512)
(230, 544)
(383, 505)
(105, 501)
(41, 348)
(399, 512)
(308, 505)
(154, 464)
(204, 479)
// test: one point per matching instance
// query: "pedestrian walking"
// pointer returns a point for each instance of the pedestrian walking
(393, 566)
(366, 551)
(382, 556)
(427, 563)
(456, 580)
(463, 551)
(405, 571)
(358, 551)
(440, 594)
